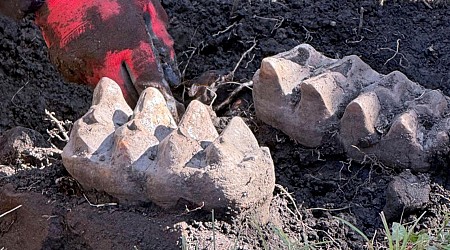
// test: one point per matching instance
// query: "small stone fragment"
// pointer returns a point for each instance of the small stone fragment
(16, 141)
(406, 193)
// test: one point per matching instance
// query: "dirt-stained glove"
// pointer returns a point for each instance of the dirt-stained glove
(125, 40)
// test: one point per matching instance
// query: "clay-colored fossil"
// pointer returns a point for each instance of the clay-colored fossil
(143, 155)
(321, 101)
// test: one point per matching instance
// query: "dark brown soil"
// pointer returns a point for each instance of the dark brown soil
(213, 35)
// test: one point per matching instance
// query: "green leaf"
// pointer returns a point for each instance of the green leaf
(422, 240)
(414, 237)
(386, 230)
(353, 227)
(398, 231)
(282, 236)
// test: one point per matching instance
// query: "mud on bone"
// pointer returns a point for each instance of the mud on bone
(143, 155)
(320, 101)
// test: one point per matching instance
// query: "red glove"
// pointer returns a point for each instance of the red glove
(125, 40)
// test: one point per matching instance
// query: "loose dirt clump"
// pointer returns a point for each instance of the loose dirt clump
(219, 35)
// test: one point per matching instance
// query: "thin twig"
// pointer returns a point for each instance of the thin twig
(10, 211)
(251, 60)
(194, 49)
(354, 41)
(187, 210)
(242, 58)
(12, 99)
(48, 217)
(308, 37)
(395, 54)
(225, 30)
(233, 94)
(99, 205)
(328, 209)
(188, 61)
(290, 198)
(427, 4)
(443, 197)
(361, 19)
(278, 23)
(59, 125)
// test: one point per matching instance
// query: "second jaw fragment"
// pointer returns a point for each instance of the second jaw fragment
(319, 101)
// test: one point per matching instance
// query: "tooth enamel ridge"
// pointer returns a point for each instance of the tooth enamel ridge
(143, 155)
(388, 118)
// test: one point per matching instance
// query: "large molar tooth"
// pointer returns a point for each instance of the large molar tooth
(152, 112)
(320, 99)
(305, 55)
(307, 116)
(108, 104)
(148, 158)
(404, 127)
(196, 123)
(151, 123)
(280, 76)
(109, 109)
(400, 146)
(235, 141)
(358, 121)
(431, 103)
(273, 86)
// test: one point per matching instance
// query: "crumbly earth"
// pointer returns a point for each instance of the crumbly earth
(214, 35)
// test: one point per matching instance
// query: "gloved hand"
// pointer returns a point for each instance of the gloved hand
(125, 40)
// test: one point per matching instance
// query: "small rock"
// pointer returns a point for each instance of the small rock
(406, 193)
(16, 142)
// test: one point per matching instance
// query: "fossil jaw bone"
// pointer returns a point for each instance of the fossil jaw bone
(387, 118)
(143, 155)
